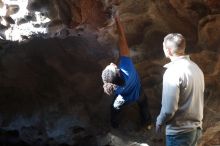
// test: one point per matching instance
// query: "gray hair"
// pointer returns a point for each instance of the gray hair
(176, 42)
(108, 74)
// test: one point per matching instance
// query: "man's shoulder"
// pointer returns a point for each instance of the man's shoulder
(125, 57)
(126, 60)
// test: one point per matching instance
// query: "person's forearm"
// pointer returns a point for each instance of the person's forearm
(163, 118)
(170, 99)
(123, 46)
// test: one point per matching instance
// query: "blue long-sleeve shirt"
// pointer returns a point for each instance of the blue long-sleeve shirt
(131, 90)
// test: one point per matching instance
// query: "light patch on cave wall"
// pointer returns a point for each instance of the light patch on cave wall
(20, 27)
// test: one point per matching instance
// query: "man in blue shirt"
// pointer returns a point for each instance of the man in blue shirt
(123, 82)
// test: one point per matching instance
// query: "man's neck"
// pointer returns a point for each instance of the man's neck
(174, 57)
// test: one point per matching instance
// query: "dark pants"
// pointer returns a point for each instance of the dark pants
(143, 109)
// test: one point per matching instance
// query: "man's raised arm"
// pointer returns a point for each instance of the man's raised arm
(123, 46)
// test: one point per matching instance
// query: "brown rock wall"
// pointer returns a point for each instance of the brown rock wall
(51, 83)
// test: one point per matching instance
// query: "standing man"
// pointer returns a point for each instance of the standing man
(182, 95)
(122, 81)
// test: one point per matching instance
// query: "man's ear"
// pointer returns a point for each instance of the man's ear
(169, 52)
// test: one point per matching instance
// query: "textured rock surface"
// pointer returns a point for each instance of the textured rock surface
(50, 85)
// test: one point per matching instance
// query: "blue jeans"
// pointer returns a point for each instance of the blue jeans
(184, 139)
